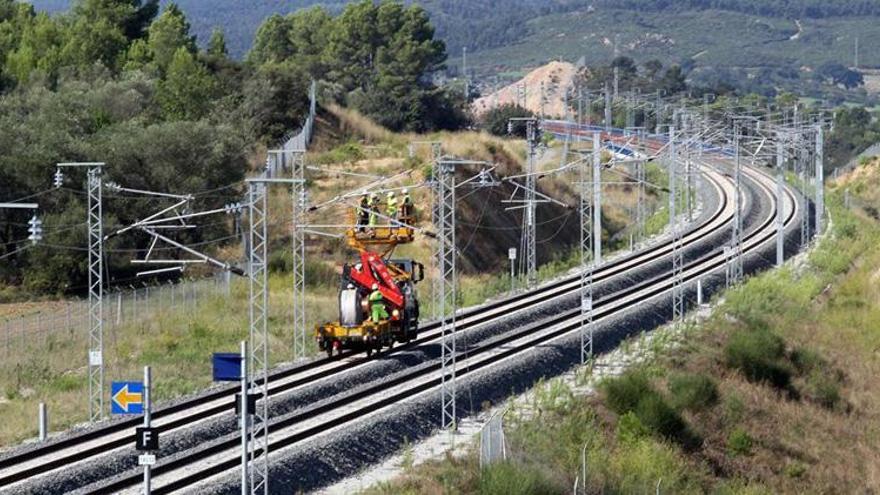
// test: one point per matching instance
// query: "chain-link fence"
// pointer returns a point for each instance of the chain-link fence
(120, 308)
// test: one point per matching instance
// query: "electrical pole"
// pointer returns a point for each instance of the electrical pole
(444, 178)
(803, 159)
(657, 114)
(640, 199)
(736, 270)
(580, 118)
(259, 334)
(467, 84)
(258, 315)
(597, 199)
(820, 180)
(677, 254)
(616, 69)
(587, 230)
(298, 201)
(95, 223)
(608, 122)
(780, 200)
(532, 136)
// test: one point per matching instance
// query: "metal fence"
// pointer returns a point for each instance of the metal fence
(296, 141)
(35, 330)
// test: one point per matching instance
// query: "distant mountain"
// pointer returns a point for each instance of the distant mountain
(475, 24)
(508, 35)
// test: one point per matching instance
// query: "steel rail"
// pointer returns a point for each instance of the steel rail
(477, 316)
(654, 287)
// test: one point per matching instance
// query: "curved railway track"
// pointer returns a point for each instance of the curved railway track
(91, 444)
(221, 456)
(83, 446)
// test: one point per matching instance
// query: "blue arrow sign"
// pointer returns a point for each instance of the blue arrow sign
(127, 398)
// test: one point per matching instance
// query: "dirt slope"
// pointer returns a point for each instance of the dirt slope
(555, 76)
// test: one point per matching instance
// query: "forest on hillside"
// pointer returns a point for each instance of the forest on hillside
(481, 25)
(123, 82)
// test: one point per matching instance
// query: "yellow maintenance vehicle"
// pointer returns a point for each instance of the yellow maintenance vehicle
(378, 304)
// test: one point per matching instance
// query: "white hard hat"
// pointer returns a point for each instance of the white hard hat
(391, 193)
(405, 191)
(375, 286)
(365, 192)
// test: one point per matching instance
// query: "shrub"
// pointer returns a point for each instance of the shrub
(739, 442)
(692, 391)
(506, 478)
(630, 428)
(823, 388)
(758, 354)
(623, 394)
(661, 418)
(795, 469)
(805, 360)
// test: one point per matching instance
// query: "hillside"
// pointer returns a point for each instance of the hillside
(556, 78)
(511, 34)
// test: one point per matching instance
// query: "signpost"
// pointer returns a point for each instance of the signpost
(147, 437)
(231, 367)
(511, 255)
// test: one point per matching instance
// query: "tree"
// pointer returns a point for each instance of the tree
(188, 88)
(272, 43)
(308, 35)
(496, 120)
(275, 99)
(168, 33)
(217, 44)
(673, 81)
(397, 95)
(138, 56)
(351, 49)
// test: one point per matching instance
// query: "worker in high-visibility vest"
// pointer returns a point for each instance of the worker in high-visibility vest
(391, 205)
(374, 209)
(363, 213)
(377, 305)
(406, 206)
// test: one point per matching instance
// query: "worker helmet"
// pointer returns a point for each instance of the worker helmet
(365, 192)
(375, 286)
(390, 193)
(405, 191)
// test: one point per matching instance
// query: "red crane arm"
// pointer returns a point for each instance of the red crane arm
(365, 278)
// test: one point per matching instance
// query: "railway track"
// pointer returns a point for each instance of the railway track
(90, 445)
(221, 456)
